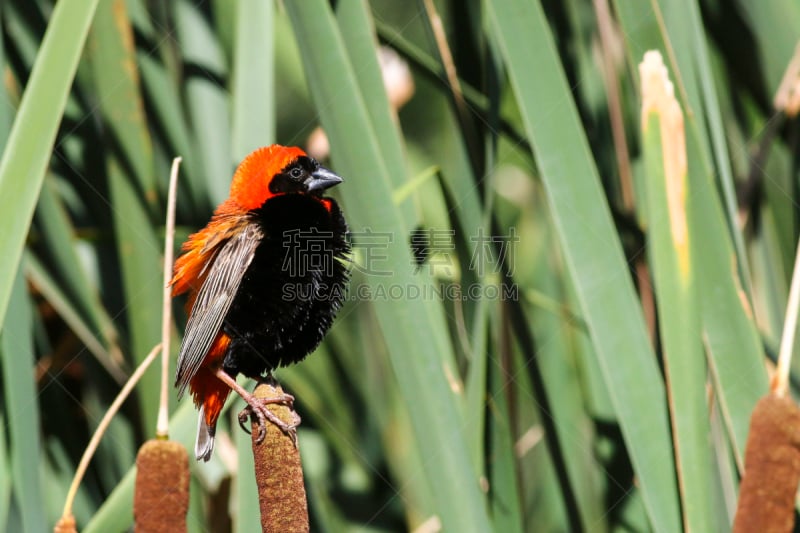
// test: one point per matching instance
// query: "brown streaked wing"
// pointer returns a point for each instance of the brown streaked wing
(214, 300)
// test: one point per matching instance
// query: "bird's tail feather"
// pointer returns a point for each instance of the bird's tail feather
(205, 438)
(210, 394)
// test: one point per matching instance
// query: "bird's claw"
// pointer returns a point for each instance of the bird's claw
(258, 408)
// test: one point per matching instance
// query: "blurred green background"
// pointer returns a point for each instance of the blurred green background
(551, 373)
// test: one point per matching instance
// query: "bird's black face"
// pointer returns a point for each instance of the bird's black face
(303, 175)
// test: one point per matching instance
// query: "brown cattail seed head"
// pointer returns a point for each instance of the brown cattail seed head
(772, 467)
(161, 499)
(279, 474)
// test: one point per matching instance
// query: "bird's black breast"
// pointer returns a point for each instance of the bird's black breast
(292, 289)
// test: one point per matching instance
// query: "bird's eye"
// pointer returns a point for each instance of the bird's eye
(296, 173)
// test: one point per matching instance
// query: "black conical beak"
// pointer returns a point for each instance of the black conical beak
(322, 179)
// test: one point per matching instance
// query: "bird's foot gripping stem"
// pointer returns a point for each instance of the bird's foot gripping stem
(258, 407)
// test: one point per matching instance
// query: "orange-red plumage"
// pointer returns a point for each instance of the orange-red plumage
(200, 248)
(249, 190)
(250, 185)
(208, 391)
(234, 270)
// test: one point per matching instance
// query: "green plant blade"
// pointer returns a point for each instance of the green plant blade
(253, 96)
(728, 330)
(129, 167)
(139, 255)
(505, 498)
(117, 79)
(719, 147)
(69, 313)
(169, 113)
(358, 34)
(60, 254)
(22, 407)
(592, 250)
(775, 25)
(670, 241)
(420, 359)
(246, 516)
(206, 103)
(562, 404)
(732, 340)
(30, 142)
(5, 476)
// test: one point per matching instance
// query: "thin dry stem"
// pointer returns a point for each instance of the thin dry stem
(65, 525)
(101, 429)
(780, 382)
(607, 37)
(446, 55)
(162, 425)
(608, 34)
(449, 64)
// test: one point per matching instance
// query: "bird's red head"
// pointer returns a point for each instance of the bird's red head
(274, 170)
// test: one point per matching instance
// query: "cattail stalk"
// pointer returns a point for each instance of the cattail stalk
(66, 515)
(772, 458)
(279, 473)
(162, 425)
(161, 496)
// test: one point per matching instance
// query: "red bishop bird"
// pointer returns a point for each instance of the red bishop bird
(265, 279)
